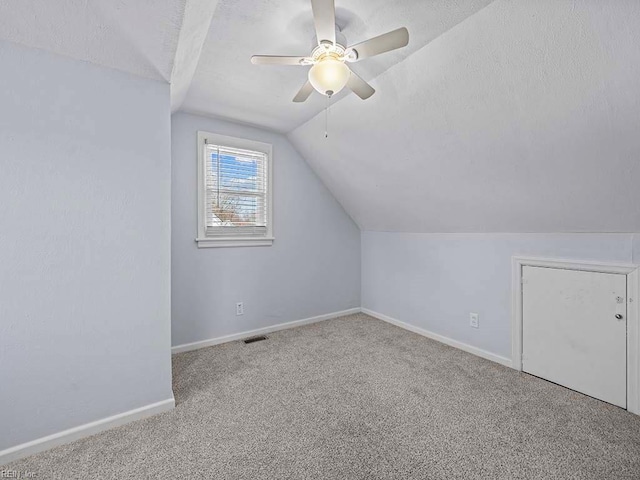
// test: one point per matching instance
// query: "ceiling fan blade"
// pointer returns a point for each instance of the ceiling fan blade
(277, 60)
(360, 87)
(304, 93)
(383, 43)
(324, 16)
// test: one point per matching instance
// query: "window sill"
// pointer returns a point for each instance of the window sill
(234, 242)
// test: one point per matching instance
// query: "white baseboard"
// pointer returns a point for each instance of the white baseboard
(66, 436)
(440, 338)
(186, 347)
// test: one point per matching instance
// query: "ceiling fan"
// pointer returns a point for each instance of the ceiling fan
(329, 74)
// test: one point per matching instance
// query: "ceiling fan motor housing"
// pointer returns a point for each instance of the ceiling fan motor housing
(340, 40)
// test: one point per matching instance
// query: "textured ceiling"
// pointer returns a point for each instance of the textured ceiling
(136, 36)
(226, 84)
(523, 118)
(193, 33)
(504, 116)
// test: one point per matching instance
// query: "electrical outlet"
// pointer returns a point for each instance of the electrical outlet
(239, 308)
(474, 320)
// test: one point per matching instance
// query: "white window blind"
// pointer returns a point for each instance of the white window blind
(236, 192)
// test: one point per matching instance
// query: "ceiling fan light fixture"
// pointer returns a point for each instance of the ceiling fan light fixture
(329, 75)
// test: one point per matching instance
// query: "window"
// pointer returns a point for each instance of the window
(234, 192)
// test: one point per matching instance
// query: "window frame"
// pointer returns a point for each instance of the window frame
(202, 239)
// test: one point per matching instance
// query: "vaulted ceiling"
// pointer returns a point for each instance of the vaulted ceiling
(227, 84)
(523, 118)
(137, 36)
(500, 116)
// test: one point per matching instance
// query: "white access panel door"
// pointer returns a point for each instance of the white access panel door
(574, 330)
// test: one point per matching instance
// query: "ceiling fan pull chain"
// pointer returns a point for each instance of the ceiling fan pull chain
(326, 118)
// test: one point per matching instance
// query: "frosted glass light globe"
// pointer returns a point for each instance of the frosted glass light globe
(329, 76)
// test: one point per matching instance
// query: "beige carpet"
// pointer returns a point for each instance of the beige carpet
(356, 398)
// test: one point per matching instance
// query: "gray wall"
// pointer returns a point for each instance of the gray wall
(84, 243)
(313, 267)
(434, 281)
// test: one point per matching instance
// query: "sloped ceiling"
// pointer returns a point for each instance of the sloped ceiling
(525, 117)
(136, 36)
(500, 116)
(226, 84)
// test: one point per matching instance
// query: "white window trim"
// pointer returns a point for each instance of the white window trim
(244, 144)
